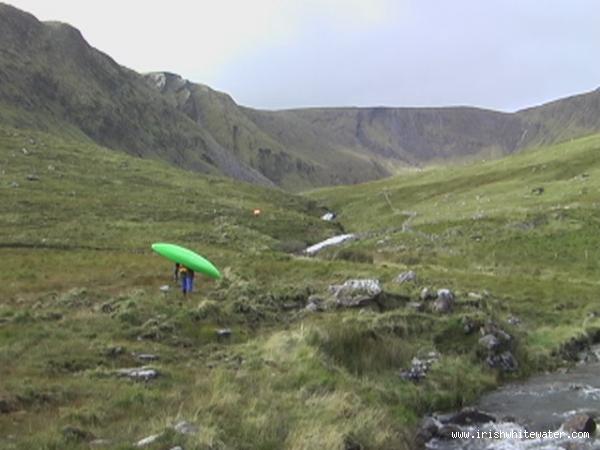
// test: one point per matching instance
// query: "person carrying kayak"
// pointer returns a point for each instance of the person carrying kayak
(187, 279)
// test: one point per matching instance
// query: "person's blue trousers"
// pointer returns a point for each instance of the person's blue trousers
(187, 284)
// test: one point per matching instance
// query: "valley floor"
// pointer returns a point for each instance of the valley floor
(515, 241)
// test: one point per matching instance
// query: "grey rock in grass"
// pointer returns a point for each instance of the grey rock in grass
(406, 277)
(513, 320)
(315, 303)
(419, 367)
(475, 296)
(506, 362)
(186, 428)
(442, 305)
(148, 440)
(223, 333)
(537, 190)
(490, 342)
(356, 293)
(493, 328)
(139, 373)
(446, 294)
(32, 177)
(114, 351)
(14, 184)
(165, 288)
(312, 307)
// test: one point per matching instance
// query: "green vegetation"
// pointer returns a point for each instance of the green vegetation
(80, 296)
(524, 228)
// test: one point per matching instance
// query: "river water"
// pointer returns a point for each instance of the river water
(539, 404)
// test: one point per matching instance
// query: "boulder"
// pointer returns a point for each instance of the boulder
(406, 277)
(490, 342)
(419, 367)
(148, 440)
(470, 416)
(580, 423)
(445, 431)
(494, 329)
(442, 306)
(146, 357)
(224, 332)
(427, 431)
(445, 294)
(138, 373)
(513, 320)
(356, 293)
(185, 427)
(313, 307)
(114, 351)
(505, 361)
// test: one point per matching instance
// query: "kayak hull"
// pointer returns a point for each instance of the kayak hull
(187, 258)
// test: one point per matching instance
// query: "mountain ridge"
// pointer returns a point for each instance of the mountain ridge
(51, 78)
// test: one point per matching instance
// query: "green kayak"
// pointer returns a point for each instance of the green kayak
(187, 258)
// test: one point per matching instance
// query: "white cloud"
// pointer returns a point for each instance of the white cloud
(197, 37)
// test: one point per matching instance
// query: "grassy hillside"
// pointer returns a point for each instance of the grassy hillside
(80, 296)
(80, 299)
(524, 227)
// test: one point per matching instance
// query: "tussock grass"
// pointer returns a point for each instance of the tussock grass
(79, 297)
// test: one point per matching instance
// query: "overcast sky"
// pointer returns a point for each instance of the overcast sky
(500, 54)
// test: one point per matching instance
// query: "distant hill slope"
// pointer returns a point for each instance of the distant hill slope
(51, 79)
(563, 119)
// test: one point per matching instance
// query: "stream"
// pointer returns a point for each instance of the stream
(540, 404)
